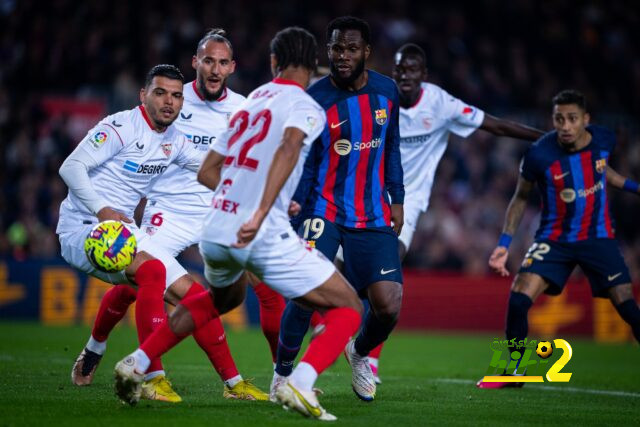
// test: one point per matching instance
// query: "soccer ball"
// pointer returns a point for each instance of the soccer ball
(544, 349)
(110, 246)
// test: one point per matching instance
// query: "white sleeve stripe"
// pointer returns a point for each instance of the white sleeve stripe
(114, 129)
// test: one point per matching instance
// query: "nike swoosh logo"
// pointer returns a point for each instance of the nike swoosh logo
(118, 125)
(337, 125)
(612, 278)
(313, 410)
(557, 177)
(383, 271)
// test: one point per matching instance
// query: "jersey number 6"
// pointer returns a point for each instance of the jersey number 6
(241, 121)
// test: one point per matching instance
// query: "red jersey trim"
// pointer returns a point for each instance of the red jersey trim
(419, 98)
(199, 95)
(281, 81)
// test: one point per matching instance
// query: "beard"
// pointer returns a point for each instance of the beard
(210, 96)
(347, 81)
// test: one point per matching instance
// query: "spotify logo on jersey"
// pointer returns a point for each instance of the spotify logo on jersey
(342, 147)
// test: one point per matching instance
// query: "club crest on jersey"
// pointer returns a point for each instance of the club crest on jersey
(381, 116)
(601, 165)
(98, 139)
(166, 149)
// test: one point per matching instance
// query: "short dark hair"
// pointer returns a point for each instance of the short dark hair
(570, 96)
(218, 35)
(295, 46)
(164, 70)
(350, 23)
(412, 49)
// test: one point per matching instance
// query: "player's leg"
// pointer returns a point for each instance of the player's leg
(546, 268)
(192, 313)
(603, 264)
(212, 340)
(373, 268)
(325, 237)
(113, 307)
(623, 300)
(305, 276)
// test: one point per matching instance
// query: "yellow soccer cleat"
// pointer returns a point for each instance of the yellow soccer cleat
(303, 402)
(159, 388)
(244, 390)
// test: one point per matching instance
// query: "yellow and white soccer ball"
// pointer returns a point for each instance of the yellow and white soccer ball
(544, 349)
(110, 246)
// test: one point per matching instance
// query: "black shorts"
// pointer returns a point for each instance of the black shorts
(600, 260)
(370, 254)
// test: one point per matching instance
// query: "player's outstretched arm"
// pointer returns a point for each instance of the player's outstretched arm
(284, 160)
(75, 173)
(211, 169)
(620, 182)
(502, 127)
(517, 205)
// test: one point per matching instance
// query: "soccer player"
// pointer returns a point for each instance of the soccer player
(108, 173)
(570, 168)
(248, 227)
(350, 173)
(173, 216)
(428, 115)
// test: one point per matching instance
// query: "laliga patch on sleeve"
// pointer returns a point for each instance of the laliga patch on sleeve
(311, 122)
(98, 138)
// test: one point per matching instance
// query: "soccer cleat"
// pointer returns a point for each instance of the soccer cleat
(159, 388)
(128, 381)
(482, 384)
(84, 368)
(374, 371)
(244, 390)
(362, 380)
(304, 402)
(276, 382)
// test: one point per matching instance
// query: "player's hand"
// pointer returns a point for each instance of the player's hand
(498, 261)
(294, 209)
(248, 231)
(106, 214)
(397, 218)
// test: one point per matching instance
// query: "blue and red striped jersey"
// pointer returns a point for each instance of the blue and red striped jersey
(354, 166)
(573, 186)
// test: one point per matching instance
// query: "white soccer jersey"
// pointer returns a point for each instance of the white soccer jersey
(255, 132)
(424, 134)
(177, 190)
(130, 156)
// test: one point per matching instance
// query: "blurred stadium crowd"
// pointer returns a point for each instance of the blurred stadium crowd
(506, 57)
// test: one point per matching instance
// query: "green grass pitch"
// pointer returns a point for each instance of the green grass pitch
(428, 379)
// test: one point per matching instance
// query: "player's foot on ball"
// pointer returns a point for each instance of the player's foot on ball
(244, 390)
(374, 371)
(159, 388)
(304, 402)
(362, 380)
(84, 368)
(128, 381)
(505, 384)
(276, 382)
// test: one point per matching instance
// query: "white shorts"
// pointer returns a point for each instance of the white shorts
(285, 263)
(72, 249)
(172, 231)
(411, 216)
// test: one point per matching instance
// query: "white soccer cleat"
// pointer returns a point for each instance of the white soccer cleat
(362, 379)
(276, 382)
(304, 402)
(128, 381)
